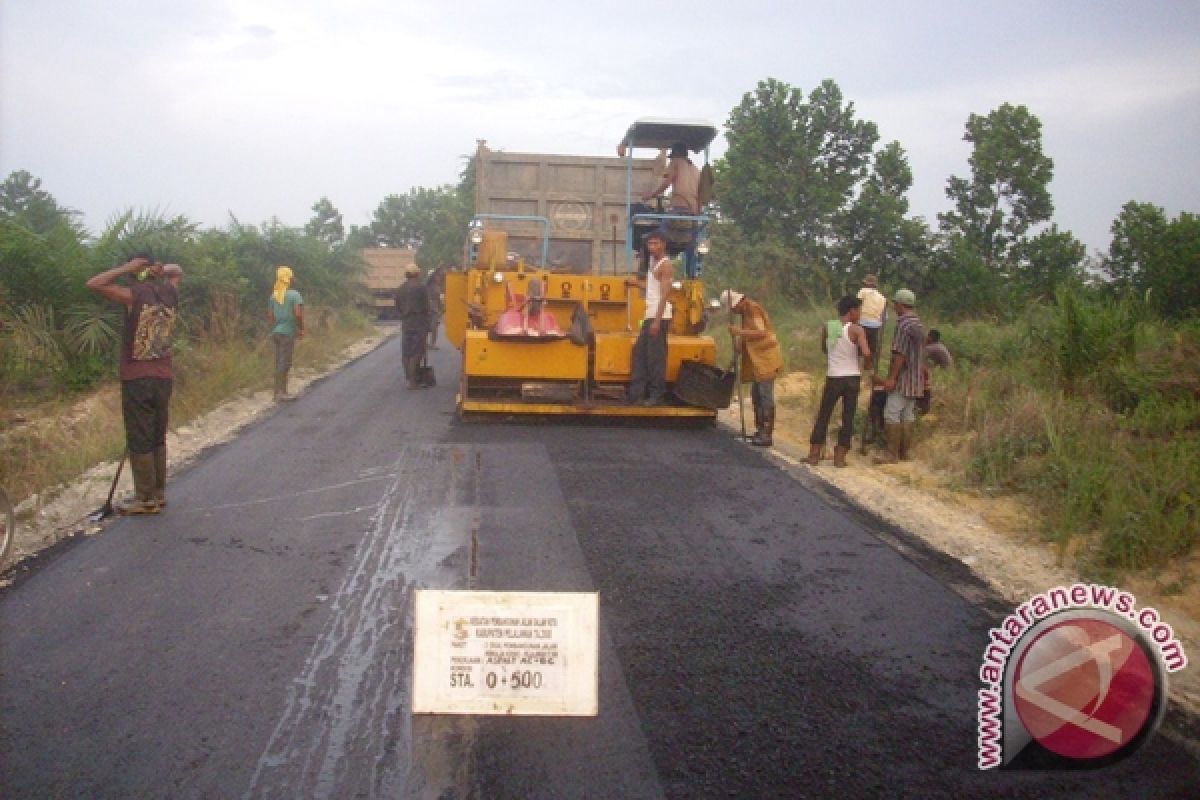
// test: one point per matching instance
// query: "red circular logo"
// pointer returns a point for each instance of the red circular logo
(1084, 688)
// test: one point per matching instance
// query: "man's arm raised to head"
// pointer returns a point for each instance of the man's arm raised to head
(106, 286)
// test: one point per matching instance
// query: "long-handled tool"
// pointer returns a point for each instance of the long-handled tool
(106, 510)
(737, 379)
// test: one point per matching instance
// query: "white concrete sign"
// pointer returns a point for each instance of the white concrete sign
(525, 653)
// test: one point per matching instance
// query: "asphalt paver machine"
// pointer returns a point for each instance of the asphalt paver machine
(546, 307)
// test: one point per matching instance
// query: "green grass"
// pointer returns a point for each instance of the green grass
(1090, 410)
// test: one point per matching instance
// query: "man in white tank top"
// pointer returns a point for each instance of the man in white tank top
(648, 381)
(843, 341)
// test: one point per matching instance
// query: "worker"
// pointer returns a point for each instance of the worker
(874, 311)
(843, 341)
(151, 302)
(936, 355)
(903, 383)
(648, 381)
(683, 179)
(413, 306)
(285, 314)
(435, 282)
(762, 360)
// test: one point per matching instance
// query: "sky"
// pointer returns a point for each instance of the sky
(258, 108)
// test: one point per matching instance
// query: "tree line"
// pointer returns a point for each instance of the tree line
(56, 335)
(809, 201)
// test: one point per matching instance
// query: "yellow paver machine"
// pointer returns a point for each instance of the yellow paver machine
(548, 303)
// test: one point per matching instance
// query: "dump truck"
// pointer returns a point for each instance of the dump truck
(545, 308)
(385, 273)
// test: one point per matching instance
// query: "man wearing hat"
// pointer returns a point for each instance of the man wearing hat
(903, 383)
(874, 310)
(413, 305)
(762, 360)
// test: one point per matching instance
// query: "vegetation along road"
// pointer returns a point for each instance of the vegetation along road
(255, 640)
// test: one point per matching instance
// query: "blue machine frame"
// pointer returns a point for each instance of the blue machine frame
(661, 134)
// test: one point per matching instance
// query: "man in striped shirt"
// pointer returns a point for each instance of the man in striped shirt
(903, 383)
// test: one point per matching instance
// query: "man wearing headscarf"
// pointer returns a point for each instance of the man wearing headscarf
(285, 311)
(762, 360)
(151, 305)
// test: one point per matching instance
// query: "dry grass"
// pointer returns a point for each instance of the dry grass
(49, 444)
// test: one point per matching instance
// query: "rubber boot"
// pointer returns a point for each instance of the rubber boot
(160, 475)
(894, 431)
(839, 456)
(284, 395)
(281, 388)
(906, 440)
(763, 438)
(142, 467)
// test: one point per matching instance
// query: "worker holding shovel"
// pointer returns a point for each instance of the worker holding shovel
(151, 304)
(762, 360)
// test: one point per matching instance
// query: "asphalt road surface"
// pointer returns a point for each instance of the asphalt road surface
(760, 638)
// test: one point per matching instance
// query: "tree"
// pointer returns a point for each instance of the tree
(792, 166)
(24, 201)
(326, 223)
(433, 221)
(1138, 233)
(1049, 261)
(1156, 257)
(875, 235)
(791, 163)
(1007, 192)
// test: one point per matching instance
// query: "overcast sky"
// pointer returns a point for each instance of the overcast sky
(258, 108)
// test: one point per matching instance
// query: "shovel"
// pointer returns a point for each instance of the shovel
(106, 510)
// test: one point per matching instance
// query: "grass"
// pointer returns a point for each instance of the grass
(1089, 411)
(60, 439)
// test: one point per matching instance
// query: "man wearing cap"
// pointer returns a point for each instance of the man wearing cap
(151, 306)
(903, 383)
(413, 305)
(648, 379)
(285, 313)
(874, 311)
(762, 360)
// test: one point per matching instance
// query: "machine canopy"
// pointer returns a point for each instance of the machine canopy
(660, 133)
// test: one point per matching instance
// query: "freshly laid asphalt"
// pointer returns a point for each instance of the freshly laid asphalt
(760, 637)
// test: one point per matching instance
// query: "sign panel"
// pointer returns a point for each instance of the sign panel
(521, 653)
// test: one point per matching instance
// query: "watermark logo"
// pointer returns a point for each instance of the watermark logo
(1074, 678)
